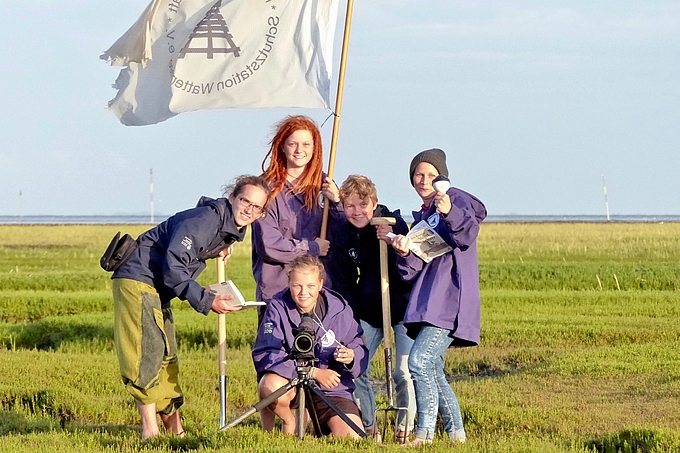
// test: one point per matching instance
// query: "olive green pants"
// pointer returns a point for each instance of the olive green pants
(144, 337)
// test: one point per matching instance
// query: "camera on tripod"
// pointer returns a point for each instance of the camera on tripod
(303, 342)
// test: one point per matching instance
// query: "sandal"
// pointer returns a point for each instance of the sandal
(417, 442)
(402, 436)
(374, 433)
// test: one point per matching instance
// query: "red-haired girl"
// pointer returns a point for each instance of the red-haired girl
(292, 222)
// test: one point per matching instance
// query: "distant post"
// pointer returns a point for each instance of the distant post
(151, 193)
(606, 203)
(21, 205)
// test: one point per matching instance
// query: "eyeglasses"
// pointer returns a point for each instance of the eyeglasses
(246, 203)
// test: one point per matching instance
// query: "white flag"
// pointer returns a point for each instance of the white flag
(185, 55)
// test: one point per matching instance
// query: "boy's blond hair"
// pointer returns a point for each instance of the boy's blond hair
(359, 185)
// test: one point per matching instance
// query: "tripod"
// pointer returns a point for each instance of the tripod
(306, 387)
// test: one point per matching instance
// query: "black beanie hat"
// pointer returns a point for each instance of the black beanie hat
(434, 156)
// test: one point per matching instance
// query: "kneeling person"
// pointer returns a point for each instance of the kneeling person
(339, 348)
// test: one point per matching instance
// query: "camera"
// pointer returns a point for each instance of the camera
(305, 335)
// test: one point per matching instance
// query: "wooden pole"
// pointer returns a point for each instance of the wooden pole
(386, 306)
(387, 329)
(338, 109)
(222, 348)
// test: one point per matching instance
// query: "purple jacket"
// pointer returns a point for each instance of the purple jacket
(275, 338)
(445, 291)
(286, 232)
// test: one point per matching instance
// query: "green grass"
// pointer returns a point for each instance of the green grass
(579, 347)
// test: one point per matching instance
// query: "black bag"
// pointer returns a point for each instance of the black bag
(117, 252)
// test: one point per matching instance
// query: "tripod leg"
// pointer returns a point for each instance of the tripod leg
(264, 402)
(300, 414)
(317, 391)
(312, 413)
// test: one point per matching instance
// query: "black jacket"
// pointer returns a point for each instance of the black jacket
(354, 267)
(172, 254)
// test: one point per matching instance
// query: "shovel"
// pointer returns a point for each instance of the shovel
(387, 330)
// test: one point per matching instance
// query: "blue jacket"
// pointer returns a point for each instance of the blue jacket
(172, 254)
(445, 292)
(286, 232)
(354, 267)
(275, 339)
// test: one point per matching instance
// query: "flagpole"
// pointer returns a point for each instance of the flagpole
(338, 108)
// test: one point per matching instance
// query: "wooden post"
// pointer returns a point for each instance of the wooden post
(222, 348)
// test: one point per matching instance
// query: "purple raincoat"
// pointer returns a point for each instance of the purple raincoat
(445, 291)
(286, 232)
(275, 338)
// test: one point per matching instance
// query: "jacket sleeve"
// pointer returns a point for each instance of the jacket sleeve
(269, 241)
(463, 225)
(271, 350)
(409, 267)
(176, 274)
(340, 268)
(400, 227)
(353, 338)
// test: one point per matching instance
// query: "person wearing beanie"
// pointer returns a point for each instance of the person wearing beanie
(435, 156)
(444, 305)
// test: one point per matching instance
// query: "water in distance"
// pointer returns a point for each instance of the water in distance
(145, 219)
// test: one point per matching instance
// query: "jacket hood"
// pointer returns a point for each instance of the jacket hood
(382, 211)
(223, 207)
(478, 206)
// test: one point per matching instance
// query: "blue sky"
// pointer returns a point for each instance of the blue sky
(533, 102)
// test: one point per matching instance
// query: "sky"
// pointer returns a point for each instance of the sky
(534, 102)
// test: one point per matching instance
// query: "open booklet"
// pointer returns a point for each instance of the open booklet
(426, 243)
(228, 288)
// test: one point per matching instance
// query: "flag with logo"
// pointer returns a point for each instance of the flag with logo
(185, 55)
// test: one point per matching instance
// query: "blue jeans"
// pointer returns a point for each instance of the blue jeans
(405, 395)
(433, 392)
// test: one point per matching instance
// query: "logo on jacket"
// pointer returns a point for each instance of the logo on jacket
(353, 254)
(268, 327)
(328, 339)
(186, 242)
(433, 220)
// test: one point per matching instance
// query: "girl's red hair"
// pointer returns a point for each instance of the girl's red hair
(309, 183)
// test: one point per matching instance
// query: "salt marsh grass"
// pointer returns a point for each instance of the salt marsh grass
(579, 347)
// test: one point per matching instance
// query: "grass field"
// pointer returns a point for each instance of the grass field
(580, 347)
